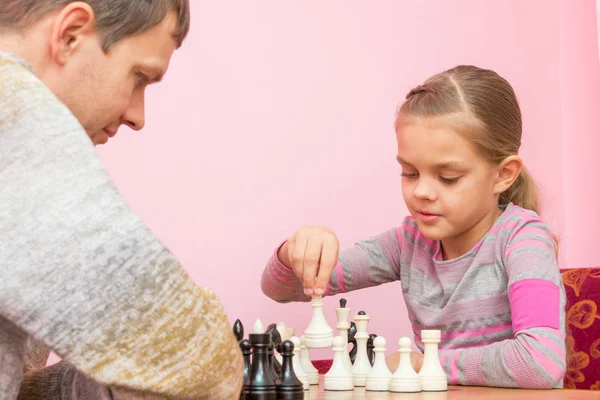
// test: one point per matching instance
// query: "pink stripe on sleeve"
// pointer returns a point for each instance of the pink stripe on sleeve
(454, 367)
(534, 303)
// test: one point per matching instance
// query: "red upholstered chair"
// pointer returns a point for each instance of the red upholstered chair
(582, 286)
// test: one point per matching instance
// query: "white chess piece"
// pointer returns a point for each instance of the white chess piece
(258, 327)
(433, 377)
(362, 366)
(343, 325)
(318, 333)
(307, 365)
(339, 377)
(379, 378)
(298, 370)
(405, 379)
(281, 328)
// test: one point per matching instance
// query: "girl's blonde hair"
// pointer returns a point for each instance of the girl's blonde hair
(482, 106)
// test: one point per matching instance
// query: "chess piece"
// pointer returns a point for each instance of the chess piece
(281, 328)
(362, 366)
(258, 327)
(379, 378)
(307, 365)
(339, 377)
(352, 341)
(318, 333)
(260, 385)
(370, 347)
(343, 325)
(289, 386)
(433, 377)
(300, 373)
(405, 379)
(275, 342)
(238, 330)
(246, 351)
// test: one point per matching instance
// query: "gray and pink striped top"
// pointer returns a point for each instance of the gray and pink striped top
(500, 307)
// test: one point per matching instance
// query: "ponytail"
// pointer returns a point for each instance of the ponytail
(523, 192)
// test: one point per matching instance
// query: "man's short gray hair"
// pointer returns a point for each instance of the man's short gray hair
(115, 19)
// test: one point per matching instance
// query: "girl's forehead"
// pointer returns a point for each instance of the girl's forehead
(433, 144)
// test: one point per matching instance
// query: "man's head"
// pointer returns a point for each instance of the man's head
(97, 56)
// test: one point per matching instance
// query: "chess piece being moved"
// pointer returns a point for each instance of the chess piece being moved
(339, 377)
(362, 366)
(260, 384)
(433, 377)
(405, 379)
(343, 325)
(378, 379)
(307, 365)
(300, 373)
(289, 386)
(318, 333)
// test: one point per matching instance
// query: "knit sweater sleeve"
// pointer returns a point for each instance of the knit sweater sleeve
(83, 275)
(535, 356)
(369, 262)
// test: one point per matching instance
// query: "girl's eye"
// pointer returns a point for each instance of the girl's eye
(142, 79)
(409, 174)
(449, 180)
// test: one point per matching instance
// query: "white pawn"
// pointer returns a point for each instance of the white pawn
(307, 365)
(433, 377)
(298, 370)
(318, 333)
(405, 379)
(339, 377)
(379, 378)
(362, 366)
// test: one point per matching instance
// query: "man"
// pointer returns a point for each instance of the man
(79, 272)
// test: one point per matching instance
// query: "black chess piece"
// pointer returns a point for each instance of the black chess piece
(260, 385)
(275, 342)
(352, 341)
(246, 351)
(342, 303)
(289, 386)
(370, 347)
(238, 330)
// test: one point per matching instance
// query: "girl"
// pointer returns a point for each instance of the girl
(475, 259)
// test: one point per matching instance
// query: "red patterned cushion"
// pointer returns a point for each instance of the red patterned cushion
(582, 286)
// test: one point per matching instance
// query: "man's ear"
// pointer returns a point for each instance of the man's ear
(72, 24)
(507, 173)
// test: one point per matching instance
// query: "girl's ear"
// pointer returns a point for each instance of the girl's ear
(507, 173)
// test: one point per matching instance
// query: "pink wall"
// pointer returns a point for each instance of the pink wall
(279, 114)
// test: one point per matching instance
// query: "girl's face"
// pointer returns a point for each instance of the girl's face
(447, 186)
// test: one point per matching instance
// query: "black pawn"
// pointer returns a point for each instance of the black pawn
(370, 347)
(246, 351)
(352, 340)
(260, 385)
(289, 387)
(342, 303)
(238, 330)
